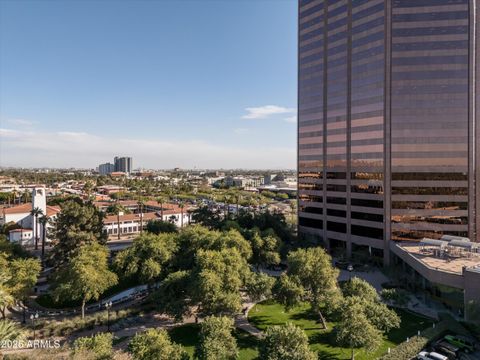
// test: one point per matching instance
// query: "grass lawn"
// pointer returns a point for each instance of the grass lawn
(323, 341)
(187, 336)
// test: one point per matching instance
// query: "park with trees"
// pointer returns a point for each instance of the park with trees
(205, 277)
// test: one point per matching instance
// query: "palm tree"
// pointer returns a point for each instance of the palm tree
(6, 300)
(141, 204)
(181, 206)
(35, 213)
(25, 196)
(10, 331)
(161, 200)
(116, 209)
(44, 221)
(226, 207)
(237, 197)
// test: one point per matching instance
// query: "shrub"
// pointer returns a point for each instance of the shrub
(100, 345)
(155, 344)
(396, 296)
(407, 350)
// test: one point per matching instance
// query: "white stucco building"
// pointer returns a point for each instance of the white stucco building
(21, 215)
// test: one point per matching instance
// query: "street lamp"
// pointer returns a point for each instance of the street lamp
(350, 269)
(33, 318)
(108, 305)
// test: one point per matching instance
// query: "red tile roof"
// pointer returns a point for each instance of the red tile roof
(52, 210)
(20, 230)
(18, 209)
(27, 207)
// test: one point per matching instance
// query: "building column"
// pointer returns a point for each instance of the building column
(387, 165)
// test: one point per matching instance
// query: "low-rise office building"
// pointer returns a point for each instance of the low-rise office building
(131, 224)
(445, 271)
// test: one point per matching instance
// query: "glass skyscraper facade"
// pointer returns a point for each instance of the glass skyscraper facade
(387, 143)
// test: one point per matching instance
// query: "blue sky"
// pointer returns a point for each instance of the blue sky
(172, 83)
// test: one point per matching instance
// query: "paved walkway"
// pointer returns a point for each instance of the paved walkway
(241, 321)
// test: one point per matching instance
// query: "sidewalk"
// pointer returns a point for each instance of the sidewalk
(241, 321)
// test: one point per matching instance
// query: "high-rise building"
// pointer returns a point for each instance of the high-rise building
(388, 133)
(123, 164)
(105, 169)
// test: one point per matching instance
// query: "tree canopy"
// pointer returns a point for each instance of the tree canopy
(98, 346)
(147, 258)
(217, 278)
(77, 224)
(155, 344)
(287, 342)
(354, 329)
(310, 271)
(86, 276)
(216, 340)
(159, 226)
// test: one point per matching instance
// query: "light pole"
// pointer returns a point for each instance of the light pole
(33, 318)
(350, 269)
(108, 305)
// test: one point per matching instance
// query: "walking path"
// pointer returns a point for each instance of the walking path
(242, 323)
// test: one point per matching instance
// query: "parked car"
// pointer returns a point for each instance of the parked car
(425, 355)
(462, 342)
(445, 348)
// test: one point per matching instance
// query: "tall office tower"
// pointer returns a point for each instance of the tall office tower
(123, 164)
(388, 146)
(105, 169)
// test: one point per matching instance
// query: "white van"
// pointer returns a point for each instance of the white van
(424, 355)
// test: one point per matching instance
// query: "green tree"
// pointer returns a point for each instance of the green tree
(88, 189)
(354, 329)
(24, 276)
(383, 318)
(265, 249)
(287, 342)
(359, 287)
(155, 344)
(10, 330)
(174, 296)
(12, 249)
(100, 345)
(161, 200)
(85, 277)
(146, 258)
(288, 291)
(159, 226)
(206, 217)
(259, 286)
(365, 295)
(217, 279)
(6, 299)
(399, 297)
(313, 269)
(77, 224)
(216, 340)
(194, 238)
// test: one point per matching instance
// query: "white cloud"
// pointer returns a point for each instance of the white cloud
(80, 149)
(291, 119)
(263, 112)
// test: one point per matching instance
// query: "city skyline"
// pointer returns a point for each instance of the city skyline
(156, 88)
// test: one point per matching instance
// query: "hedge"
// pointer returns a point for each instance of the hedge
(408, 350)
